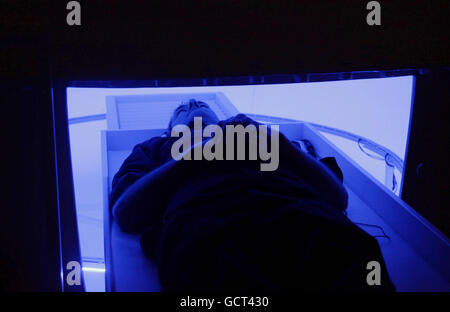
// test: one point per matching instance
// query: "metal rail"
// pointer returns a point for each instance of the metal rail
(391, 159)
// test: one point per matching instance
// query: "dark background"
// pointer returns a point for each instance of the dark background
(132, 40)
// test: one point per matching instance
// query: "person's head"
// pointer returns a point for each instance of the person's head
(185, 113)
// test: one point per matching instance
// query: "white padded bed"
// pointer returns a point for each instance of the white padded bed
(417, 255)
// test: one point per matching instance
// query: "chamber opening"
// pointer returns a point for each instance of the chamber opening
(368, 119)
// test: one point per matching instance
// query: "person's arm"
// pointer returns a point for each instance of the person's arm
(142, 160)
(319, 176)
(312, 171)
(145, 200)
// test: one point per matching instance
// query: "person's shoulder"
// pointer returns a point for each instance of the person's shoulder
(154, 140)
(151, 144)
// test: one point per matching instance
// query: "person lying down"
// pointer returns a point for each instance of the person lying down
(222, 223)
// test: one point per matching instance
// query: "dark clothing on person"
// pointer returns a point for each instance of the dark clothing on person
(231, 227)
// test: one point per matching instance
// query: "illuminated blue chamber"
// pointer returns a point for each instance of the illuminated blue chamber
(412, 244)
